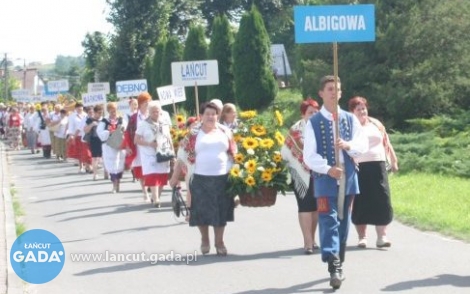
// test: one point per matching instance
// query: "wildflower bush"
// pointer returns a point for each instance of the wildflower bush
(258, 162)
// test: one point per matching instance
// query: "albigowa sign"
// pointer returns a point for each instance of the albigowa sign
(334, 23)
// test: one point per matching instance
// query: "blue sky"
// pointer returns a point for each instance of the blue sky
(39, 30)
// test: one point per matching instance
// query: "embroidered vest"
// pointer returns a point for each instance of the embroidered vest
(325, 185)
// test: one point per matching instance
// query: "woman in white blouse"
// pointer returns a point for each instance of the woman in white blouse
(151, 135)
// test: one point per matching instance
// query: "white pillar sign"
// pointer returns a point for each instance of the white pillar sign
(130, 88)
(58, 86)
(99, 87)
(90, 99)
(188, 73)
(171, 94)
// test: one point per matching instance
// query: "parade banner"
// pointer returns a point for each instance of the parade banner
(191, 73)
(123, 107)
(90, 99)
(130, 88)
(334, 23)
(171, 94)
(99, 87)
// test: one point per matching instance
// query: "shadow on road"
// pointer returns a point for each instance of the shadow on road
(200, 261)
(440, 280)
(301, 288)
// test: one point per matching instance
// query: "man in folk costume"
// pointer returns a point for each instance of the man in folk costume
(74, 138)
(335, 184)
(133, 159)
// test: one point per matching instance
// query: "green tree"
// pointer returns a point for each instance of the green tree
(195, 48)
(220, 49)
(157, 63)
(95, 51)
(173, 52)
(255, 86)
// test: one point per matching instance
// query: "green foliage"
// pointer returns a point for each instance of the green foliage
(441, 147)
(172, 53)
(195, 49)
(157, 63)
(435, 202)
(220, 49)
(255, 85)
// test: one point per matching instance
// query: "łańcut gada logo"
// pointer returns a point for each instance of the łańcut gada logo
(37, 256)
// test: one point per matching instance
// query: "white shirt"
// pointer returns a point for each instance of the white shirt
(211, 152)
(376, 150)
(315, 161)
(61, 132)
(31, 120)
(75, 121)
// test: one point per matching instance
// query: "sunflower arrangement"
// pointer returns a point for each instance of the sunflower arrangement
(258, 162)
(178, 130)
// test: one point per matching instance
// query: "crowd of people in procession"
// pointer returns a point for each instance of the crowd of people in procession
(139, 140)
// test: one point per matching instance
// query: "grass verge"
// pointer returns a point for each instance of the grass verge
(18, 210)
(433, 202)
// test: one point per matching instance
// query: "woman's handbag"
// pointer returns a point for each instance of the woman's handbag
(115, 139)
(165, 152)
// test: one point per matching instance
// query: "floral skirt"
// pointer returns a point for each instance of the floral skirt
(210, 203)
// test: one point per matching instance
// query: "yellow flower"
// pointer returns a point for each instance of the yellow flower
(250, 164)
(277, 157)
(235, 171)
(248, 114)
(250, 143)
(279, 118)
(238, 138)
(279, 138)
(250, 181)
(267, 176)
(239, 158)
(180, 119)
(258, 130)
(266, 143)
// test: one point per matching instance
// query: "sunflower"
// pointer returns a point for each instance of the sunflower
(239, 158)
(266, 143)
(279, 118)
(250, 181)
(237, 137)
(250, 143)
(248, 114)
(180, 119)
(235, 171)
(267, 176)
(279, 138)
(250, 166)
(277, 157)
(258, 130)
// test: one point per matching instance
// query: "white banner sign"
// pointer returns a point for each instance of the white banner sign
(130, 88)
(188, 73)
(21, 93)
(123, 107)
(99, 87)
(49, 96)
(171, 94)
(90, 99)
(58, 86)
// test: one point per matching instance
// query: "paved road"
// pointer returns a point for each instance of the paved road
(265, 245)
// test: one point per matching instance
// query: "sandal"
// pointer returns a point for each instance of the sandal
(221, 250)
(205, 249)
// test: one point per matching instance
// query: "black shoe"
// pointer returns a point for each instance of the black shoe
(336, 272)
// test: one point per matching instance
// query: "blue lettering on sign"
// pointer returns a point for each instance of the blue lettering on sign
(194, 71)
(131, 88)
(334, 23)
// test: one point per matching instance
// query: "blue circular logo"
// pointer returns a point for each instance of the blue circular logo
(37, 256)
